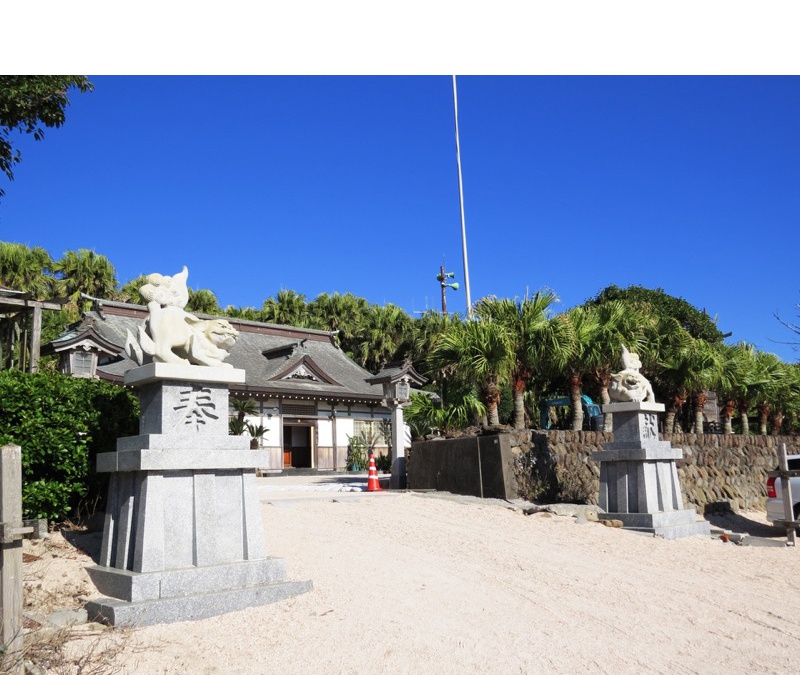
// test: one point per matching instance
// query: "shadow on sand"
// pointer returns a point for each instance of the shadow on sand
(741, 524)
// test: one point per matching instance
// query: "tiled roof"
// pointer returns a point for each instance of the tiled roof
(321, 368)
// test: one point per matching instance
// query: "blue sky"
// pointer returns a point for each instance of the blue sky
(349, 183)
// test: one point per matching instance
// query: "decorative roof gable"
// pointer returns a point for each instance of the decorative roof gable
(305, 369)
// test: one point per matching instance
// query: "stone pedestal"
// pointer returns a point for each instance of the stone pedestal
(639, 482)
(183, 536)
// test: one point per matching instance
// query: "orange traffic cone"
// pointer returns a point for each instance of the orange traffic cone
(373, 484)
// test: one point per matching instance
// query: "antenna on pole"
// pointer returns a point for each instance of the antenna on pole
(461, 201)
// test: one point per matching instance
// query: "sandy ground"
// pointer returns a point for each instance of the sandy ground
(427, 583)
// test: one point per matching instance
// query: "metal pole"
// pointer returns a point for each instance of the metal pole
(444, 287)
(461, 201)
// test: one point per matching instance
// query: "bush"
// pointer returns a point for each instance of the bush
(62, 423)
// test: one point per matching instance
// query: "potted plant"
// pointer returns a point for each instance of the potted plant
(256, 432)
(356, 453)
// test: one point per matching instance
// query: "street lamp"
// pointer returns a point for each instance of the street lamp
(442, 277)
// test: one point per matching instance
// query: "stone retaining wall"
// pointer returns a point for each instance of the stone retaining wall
(557, 466)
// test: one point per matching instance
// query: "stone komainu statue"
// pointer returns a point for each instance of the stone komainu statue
(629, 385)
(172, 335)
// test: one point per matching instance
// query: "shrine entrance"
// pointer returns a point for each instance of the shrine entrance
(298, 445)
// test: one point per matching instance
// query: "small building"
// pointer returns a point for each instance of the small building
(310, 397)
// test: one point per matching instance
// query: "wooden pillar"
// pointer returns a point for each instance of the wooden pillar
(11, 519)
(36, 338)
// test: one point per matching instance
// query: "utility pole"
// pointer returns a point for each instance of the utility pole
(461, 201)
(442, 278)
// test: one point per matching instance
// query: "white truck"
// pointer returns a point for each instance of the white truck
(775, 510)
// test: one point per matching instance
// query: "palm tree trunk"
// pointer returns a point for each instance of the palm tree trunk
(699, 404)
(494, 417)
(669, 420)
(491, 398)
(727, 416)
(604, 380)
(777, 421)
(672, 412)
(519, 403)
(743, 410)
(577, 404)
(763, 416)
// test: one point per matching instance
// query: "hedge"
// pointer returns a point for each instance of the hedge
(61, 423)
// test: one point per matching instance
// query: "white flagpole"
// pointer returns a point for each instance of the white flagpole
(461, 201)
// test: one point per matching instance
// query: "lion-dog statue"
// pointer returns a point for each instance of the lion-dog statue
(172, 335)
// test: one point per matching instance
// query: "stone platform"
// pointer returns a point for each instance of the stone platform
(639, 482)
(183, 536)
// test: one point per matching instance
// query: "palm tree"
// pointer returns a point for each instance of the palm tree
(130, 291)
(784, 388)
(246, 313)
(483, 351)
(616, 323)
(287, 308)
(663, 359)
(386, 336)
(769, 370)
(736, 392)
(426, 332)
(688, 373)
(583, 354)
(203, 301)
(534, 339)
(84, 271)
(423, 414)
(343, 313)
(26, 270)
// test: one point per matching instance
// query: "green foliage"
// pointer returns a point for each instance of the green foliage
(357, 453)
(30, 102)
(383, 463)
(424, 415)
(695, 321)
(61, 423)
(505, 407)
(203, 301)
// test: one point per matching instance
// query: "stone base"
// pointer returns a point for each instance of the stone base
(667, 524)
(143, 599)
(398, 478)
(190, 607)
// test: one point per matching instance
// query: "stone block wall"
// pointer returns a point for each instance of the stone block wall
(557, 466)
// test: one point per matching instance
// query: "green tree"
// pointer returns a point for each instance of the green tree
(534, 339)
(482, 351)
(203, 301)
(246, 313)
(130, 291)
(769, 370)
(27, 270)
(616, 323)
(344, 313)
(695, 321)
(287, 308)
(84, 271)
(28, 103)
(687, 373)
(386, 336)
(583, 354)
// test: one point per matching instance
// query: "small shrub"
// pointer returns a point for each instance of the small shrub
(383, 463)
